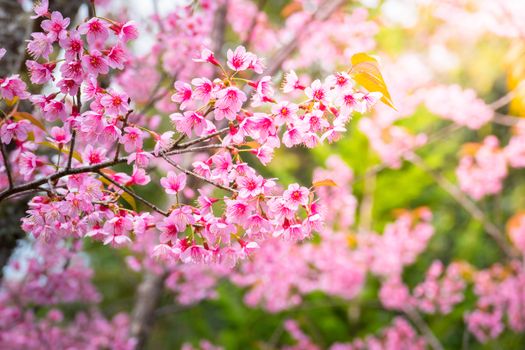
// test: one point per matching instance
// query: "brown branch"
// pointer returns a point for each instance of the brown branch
(191, 173)
(203, 138)
(249, 37)
(219, 28)
(147, 299)
(183, 148)
(124, 124)
(194, 149)
(133, 194)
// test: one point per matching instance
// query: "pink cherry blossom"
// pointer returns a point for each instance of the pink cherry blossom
(173, 183)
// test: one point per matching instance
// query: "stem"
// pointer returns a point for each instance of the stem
(183, 148)
(124, 124)
(467, 204)
(253, 24)
(71, 149)
(133, 194)
(191, 173)
(204, 138)
(416, 318)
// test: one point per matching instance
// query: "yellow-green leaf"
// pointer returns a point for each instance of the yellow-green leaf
(76, 155)
(365, 71)
(326, 182)
(28, 116)
(124, 195)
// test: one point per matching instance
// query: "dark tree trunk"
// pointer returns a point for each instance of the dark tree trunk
(16, 26)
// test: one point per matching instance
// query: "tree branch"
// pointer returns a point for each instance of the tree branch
(418, 321)
(191, 173)
(133, 194)
(468, 205)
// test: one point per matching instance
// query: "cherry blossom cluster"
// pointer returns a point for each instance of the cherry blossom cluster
(461, 106)
(41, 278)
(399, 335)
(83, 192)
(483, 167)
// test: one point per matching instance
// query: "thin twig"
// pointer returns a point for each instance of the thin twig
(418, 321)
(183, 148)
(124, 124)
(194, 149)
(74, 133)
(191, 173)
(247, 41)
(134, 194)
(467, 204)
(325, 10)
(204, 138)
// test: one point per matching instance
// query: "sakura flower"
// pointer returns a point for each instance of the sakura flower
(195, 254)
(59, 136)
(168, 230)
(12, 87)
(73, 70)
(17, 130)
(350, 101)
(139, 177)
(28, 163)
(56, 26)
(40, 46)
(173, 183)
(191, 121)
(250, 186)
(117, 57)
(371, 98)
(116, 231)
(95, 63)
(295, 195)
(207, 56)
(163, 142)
(93, 155)
(285, 112)
(291, 82)
(115, 103)
(239, 59)
(183, 94)
(140, 157)
(341, 81)
(316, 91)
(54, 110)
(40, 73)
(72, 45)
(41, 9)
(126, 31)
(132, 138)
(96, 30)
(203, 89)
(231, 98)
(182, 217)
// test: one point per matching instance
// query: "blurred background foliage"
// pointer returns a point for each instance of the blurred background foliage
(489, 66)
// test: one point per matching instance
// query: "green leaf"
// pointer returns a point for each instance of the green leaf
(76, 155)
(124, 195)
